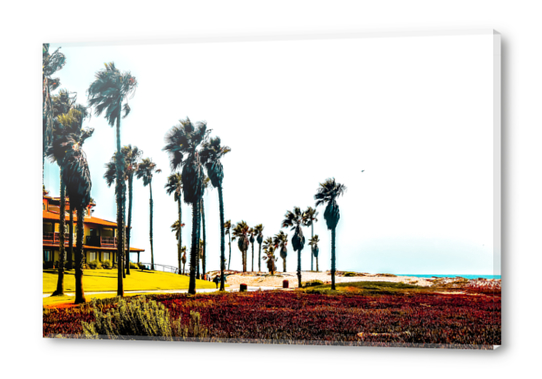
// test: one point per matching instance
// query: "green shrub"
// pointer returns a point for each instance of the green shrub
(107, 264)
(133, 265)
(94, 265)
(312, 283)
(140, 318)
(141, 266)
(350, 273)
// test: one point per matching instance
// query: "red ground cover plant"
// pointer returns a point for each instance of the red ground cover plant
(420, 320)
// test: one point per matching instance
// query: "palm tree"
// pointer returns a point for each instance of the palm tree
(227, 230)
(211, 158)
(175, 228)
(204, 248)
(81, 135)
(52, 62)
(258, 231)
(313, 243)
(240, 232)
(110, 89)
(76, 176)
(131, 156)
(269, 251)
(296, 220)
(327, 193)
(252, 239)
(183, 259)
(174, 185)
(145, 171)
(311, 214)
(281, 240)
(182, 143)
(67, 123)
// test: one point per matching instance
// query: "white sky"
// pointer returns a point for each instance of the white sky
(416, 113)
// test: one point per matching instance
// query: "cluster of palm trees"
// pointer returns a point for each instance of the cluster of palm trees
(295, 220)
(196, 161)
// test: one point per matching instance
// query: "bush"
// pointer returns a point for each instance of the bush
(141, 266)
(312, 283)
(94, 265)
(350, 273)
(140, 318)
(133, 265)
(107, 264)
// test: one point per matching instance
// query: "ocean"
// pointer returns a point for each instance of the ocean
(452, 276)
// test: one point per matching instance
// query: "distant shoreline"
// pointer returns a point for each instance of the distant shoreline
(452, 276)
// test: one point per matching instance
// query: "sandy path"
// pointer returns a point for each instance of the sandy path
(265, 280)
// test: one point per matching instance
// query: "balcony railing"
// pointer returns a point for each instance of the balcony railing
(54, 238)
(99, 241)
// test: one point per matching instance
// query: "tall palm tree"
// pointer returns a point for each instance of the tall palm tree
(281, 240)
(52, 62)
(67, 124)
(76, 177)
(145, 171)
(252, 239)
(109, 93)
(211, 157)
(269, 251)
(311, 214)
(327, 193)
(182, 143)
(183, 259)
(174, 185)
(313, 243)
(81, 135)
(258, 231)
(204, 235)
(131, 156)
(296, 220)
(227, 230)
(241, 232)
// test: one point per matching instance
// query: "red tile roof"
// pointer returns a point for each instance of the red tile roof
(87, 220)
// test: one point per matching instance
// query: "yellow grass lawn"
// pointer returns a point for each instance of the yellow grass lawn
(106, 280)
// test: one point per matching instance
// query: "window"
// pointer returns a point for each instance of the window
(106, 256)
(47, 256)
(92, 256)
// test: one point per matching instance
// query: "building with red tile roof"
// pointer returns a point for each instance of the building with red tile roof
(99, 240)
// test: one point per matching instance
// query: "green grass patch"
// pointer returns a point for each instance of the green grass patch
(106, 280)
(366, 288)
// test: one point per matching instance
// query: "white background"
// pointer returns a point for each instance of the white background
(415, 113)
(25, 27)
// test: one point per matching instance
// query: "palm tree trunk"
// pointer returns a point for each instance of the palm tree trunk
(129, 229)
(299, 267)
(312, 236)
(62, 225)
(284, 264)
(252, 256)
(222, 242)
(333, 259)
(79, 292)
(229, 244)
(259, 257)
(120, 213)
(69, 265)
(180, 239)
(204, 248)
(150, 226)
(317, 269)
(195, 247)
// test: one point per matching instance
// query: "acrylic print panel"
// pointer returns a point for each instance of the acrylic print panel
(339, 190)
